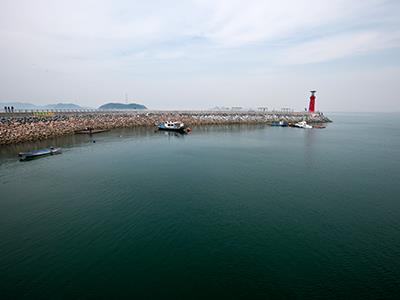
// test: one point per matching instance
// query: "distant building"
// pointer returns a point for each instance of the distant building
(220, 108)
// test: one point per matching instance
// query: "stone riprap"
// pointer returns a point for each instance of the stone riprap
(23, 127)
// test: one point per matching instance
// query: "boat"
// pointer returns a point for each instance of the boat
(319, 126)
(303, 124)
(90, 131)
(279, 124)
(172, 126)
(39, 153)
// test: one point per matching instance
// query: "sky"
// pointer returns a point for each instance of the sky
(199, 54)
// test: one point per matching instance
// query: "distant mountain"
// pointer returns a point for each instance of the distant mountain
(62, 106)
(122, 106)
(22, 105)
(19, 105)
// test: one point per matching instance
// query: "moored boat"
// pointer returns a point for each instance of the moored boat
(39, 153)
(319, 126)
(90, 131)
(303, 124)
(172, 126)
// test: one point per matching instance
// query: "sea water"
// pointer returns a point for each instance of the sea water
(241, 211)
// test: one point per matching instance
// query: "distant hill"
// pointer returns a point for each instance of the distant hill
(18, 105)
(23, 105)
(63, 106)
(122, 106)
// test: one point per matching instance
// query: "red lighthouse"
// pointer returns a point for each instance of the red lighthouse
(311, 107)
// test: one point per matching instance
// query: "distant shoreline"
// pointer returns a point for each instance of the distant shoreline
(31, 126)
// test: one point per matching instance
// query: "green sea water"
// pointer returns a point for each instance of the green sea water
(226, 212)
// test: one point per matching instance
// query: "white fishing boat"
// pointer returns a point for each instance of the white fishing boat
(303, 124)
(171, 126)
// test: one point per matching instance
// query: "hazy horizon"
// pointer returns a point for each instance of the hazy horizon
(204, 108)
(201, 54)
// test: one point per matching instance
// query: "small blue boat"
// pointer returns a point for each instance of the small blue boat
(39, 153)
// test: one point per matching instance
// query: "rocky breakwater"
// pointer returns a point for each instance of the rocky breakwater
(26, 127)
(256, 118)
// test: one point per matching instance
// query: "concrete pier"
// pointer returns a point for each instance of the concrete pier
(23, 126)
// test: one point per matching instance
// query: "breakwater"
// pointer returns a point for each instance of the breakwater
(27, 126)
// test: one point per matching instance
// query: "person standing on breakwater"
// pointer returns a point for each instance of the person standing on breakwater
(12, 109)
(5, 108)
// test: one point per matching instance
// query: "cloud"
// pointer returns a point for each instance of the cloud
(235, 23)
(83, 42)
(103, 28)
(338, 46)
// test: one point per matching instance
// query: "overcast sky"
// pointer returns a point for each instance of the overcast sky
(202, 53)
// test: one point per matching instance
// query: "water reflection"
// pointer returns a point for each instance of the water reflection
(64, 141)
(228, 128)
(171, 134)
(309, 137)
(69, 141)
(310, 143)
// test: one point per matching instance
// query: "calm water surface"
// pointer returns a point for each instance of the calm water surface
(227, 211)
